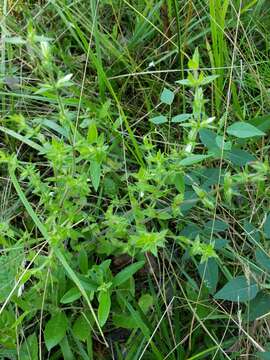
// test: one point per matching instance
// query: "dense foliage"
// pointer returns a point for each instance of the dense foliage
(135, 189)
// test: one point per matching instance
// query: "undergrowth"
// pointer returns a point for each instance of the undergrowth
(135, 188)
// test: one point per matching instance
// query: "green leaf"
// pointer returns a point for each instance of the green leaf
(193, 159)
(263, 355)
(92, 134)
(266, 227)
(71, 295)
(81, 328)
(259, 306)
(209, 79)
(239, 157)
(193, 63)
(104, 307)
(179, 183)
(262, 122)
(208, 138)
(238, 290)
(263, 259)
(161, 119)
(66, 349)
(55, 330)
(60, 256)
(216, 226)
(209, 272)
(29, 349)
(244, 130)
(185, 82)
(124, 321)
(95, 171)
(145, 302)
(127, 272)
(167, 96)
(83, 261)
(22, 138)
(180, 118)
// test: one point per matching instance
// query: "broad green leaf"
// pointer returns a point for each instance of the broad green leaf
(71, 295)
(262, 122)
(127, 272)
(124, 321)
(104, 307)
(208, 138)
(238, 289)
(29, 348)
(92, 134)
(145, 302)
(95, 171)
(194, 159)
(161, 119)
(263, 355)
(83, 261)
(179, 183)
(216, 226)
(266, 227)
(81, 327)
(55, 330)
(263, 260)
(66, 349)
(167, 96)
(180, 118)
(239, 157)
(209, 272)
(244, 130)
(259, 306)
(219, 243)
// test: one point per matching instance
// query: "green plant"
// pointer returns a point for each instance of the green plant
(125, 238)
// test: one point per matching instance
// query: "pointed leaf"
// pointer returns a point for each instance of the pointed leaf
(104, 307)
(209, 272)
(193, 159)
(263, 259)
(81, 328)
(259, 306)
(180, 118)
(95, 170)
(239, 157)
(71, 295)
(238, 290)
(244, 130)
(55, 330)
(29, 349)
(127, 272)
(167, 96)
(161, 119)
